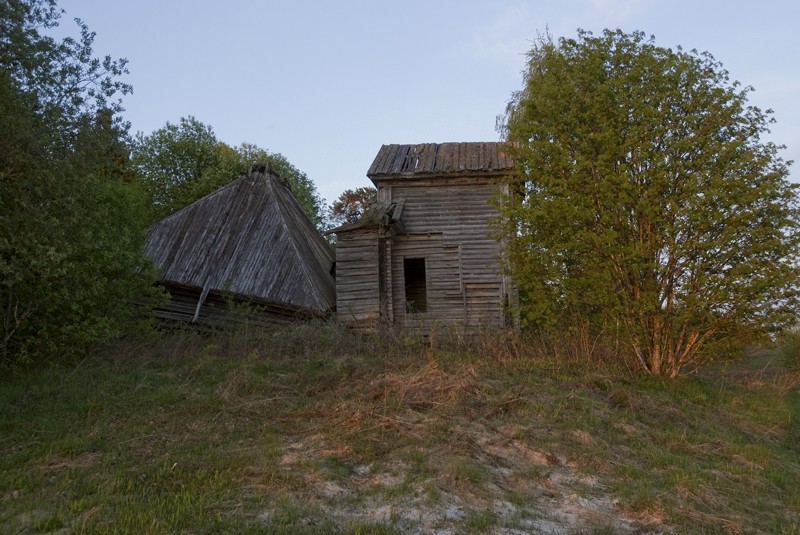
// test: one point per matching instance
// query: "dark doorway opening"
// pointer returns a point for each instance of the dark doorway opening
(416, 286)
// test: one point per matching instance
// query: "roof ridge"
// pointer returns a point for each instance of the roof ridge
(248, 237)
(304, 263)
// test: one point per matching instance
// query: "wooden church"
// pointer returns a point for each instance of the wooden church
(424, 259)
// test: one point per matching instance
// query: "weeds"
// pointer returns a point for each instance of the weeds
(789, 348)
(312, 429)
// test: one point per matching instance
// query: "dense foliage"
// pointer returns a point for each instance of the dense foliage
(73, 205)
(352, 205)
(647, 206)
(180, 163)
(70, 222)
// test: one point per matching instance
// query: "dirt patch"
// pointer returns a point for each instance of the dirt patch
(521, 490)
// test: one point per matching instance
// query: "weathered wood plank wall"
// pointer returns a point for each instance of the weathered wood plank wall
(442, 197)
(216, 310)
(357, 275)
(448, 225)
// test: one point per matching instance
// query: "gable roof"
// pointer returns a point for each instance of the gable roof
(250, 238)
(440, 159)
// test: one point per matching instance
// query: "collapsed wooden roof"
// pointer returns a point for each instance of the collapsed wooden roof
(250, 238)
(437, 159)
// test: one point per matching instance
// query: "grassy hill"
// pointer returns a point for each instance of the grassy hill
(315, 430)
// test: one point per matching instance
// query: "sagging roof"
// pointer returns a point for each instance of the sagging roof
(382, 215)
(438, 159)
(250, 238)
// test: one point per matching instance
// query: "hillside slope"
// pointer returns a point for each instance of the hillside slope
(315, 430)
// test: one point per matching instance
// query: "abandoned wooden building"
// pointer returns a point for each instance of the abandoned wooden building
(424, 257)
(249, 241)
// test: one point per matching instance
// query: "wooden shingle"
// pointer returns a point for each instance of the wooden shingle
(440, 159)
(250, 239)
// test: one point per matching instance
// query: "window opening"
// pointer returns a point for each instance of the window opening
(416, 287)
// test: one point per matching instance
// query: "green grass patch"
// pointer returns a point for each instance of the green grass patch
(310, 429)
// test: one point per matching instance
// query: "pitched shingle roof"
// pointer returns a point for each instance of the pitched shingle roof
(250, 238)
(434, 159)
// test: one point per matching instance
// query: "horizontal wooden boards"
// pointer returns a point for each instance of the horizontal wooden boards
(220, 310)
(462, 215)
(444, 194)
(357, 278)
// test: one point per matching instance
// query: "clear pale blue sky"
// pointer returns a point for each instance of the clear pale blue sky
(327, 83)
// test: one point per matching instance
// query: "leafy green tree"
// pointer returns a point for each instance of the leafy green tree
(71, 224)
(352, 205)
(647, 203)
(173, 158)
(180, 163)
